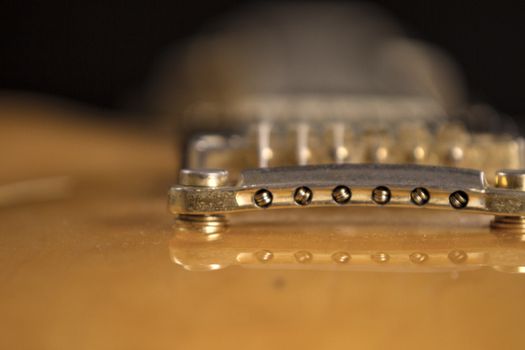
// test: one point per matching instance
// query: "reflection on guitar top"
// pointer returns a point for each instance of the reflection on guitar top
(352, 239)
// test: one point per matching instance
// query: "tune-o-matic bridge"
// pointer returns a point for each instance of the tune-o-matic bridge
(208, 192)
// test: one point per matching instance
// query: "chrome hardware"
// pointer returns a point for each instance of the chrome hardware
(303, 196)
(263, 198)
(203, 177)
(381, 195)
(329, 185)
(341, 194)
(458, 200)
(419, 196)
(512, 180)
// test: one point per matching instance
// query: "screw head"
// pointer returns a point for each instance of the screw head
(263, 198)
(381, 195)
(341, 194)
(420, 196)
(203, 177)
(458, 199)
(303, 195)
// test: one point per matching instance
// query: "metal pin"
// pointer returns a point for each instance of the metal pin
(340, 151)
(418, 154)
(381, 195)
(378, 154)
(341, 194)
(458, 199)
(455, 155)
(419, 196)
(303, 195)
(303, 152)
(265, 151)
(263, 198)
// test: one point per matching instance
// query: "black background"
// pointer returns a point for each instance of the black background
(100, 53)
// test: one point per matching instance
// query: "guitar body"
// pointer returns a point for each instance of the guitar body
(350, 209)
(90, 258)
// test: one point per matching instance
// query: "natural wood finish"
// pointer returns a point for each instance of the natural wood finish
(92, 269)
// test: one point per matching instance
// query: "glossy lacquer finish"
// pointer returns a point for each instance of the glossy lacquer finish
(91, 258)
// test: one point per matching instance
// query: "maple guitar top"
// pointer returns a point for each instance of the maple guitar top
(90, 258)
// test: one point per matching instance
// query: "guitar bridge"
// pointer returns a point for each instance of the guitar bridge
(375, 120)
(389, 171)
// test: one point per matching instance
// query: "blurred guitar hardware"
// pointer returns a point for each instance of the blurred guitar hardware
(376, 120)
